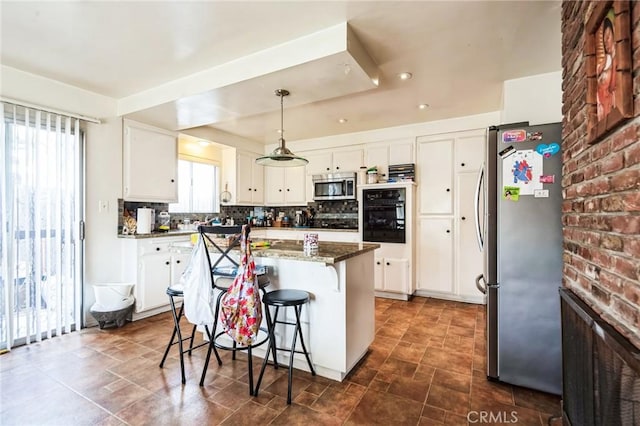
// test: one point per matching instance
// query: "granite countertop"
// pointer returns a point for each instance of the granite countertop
(179, 232)
(328, 252)
(155, 234)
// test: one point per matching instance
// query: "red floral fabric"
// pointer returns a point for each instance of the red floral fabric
(241, 306)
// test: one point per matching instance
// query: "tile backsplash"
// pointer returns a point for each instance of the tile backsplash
(327, 213)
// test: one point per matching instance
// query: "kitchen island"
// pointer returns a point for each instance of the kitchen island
(338, 324)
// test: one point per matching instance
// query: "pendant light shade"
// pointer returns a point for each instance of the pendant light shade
(281, 156)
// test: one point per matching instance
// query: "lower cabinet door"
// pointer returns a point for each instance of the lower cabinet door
(435, 265)
(179, 262)
(154, 274)
(396, 277)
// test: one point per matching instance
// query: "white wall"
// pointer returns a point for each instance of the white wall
(536, 99)
(103, 179)
(21, 86)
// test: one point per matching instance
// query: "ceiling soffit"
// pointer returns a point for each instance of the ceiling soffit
(323, 65)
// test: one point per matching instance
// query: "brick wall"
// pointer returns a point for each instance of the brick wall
(601, 185)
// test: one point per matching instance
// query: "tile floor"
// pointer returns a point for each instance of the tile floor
(425, 367)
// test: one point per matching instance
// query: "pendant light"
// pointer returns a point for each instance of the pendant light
(281, 156)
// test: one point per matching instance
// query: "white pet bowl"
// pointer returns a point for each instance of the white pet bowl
(113, 296)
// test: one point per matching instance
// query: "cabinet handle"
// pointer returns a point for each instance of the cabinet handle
(387, 263)
(448, 231)
(464, 218)
(328, 169)
(377, 263)
(337, 167)
(254, 190)
(288, 190)
(249, 189)
(279, 190)
(462, 164)
(448, 189)
(173, 180)
(167, 262)
(177, 261)
(157, 248)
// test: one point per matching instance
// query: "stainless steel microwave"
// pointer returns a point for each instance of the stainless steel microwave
(334, 186)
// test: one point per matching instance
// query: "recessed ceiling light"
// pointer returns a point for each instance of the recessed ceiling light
(405, 76)
(423, 106)
(342, 120)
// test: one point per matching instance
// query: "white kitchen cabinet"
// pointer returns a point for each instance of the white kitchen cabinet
(448, 251)
(469, 152)
(244, 178)
(435, 176)
(285, 186)
(150, 163)
(383, 154)
(153, 279)
(152, 266)
(343, 160)
(435, 270)
(392, 275)
(179, 262)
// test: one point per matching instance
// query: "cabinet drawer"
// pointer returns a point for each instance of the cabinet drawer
(153, 247)
(159, 245)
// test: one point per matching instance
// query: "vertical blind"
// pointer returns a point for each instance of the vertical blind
(40, 213)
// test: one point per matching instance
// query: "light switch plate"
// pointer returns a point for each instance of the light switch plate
(103, 206)
(541, 193)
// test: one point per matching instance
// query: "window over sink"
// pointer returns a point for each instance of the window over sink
(198, 188)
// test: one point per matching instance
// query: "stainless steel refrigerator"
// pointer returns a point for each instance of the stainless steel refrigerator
(519, 207)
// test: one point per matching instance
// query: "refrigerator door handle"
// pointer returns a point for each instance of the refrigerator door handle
(482, 288)
(476, 206)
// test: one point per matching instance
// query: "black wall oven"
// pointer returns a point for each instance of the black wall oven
(383, 215)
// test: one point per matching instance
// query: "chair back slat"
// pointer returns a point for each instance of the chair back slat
(206, 233)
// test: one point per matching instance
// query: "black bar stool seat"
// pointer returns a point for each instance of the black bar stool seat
(283, 299)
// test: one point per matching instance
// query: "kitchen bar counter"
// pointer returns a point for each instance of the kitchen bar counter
(338, 323)
(328, 252)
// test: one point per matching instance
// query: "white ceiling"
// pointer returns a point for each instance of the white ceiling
(181, 64)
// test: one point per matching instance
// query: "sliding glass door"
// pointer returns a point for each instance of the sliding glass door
(41, 212)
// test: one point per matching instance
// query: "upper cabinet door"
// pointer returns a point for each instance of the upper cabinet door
(285, 186)
(347, 161)
(385, 154)
(249, 179)
(318, 163)
(333, 162)
(401, 152)
(150, 163)
(435, 176)
(377, 156)
(469, 152)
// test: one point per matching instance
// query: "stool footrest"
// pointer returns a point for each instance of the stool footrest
(238, 347)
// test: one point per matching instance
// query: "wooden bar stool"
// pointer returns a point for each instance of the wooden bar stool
(284, 299)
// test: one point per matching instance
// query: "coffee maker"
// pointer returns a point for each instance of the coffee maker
(301, 219)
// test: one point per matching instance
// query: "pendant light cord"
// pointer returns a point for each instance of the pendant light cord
(281, 116)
